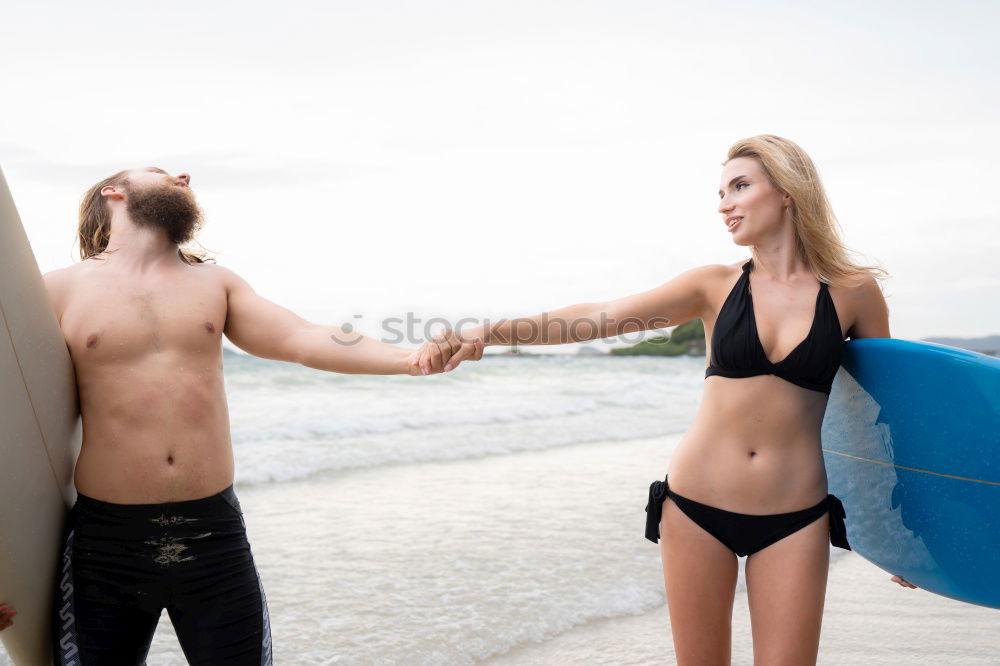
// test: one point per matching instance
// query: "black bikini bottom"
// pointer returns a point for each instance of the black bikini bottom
(744, 533)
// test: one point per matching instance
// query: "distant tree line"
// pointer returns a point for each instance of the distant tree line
(688, 338)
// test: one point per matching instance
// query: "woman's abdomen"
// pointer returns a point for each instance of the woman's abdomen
(753, 447)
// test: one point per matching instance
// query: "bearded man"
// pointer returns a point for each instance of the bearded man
(156, 524)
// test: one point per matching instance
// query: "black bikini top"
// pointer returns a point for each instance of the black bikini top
(737, 351)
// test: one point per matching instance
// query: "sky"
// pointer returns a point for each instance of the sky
(359, 161)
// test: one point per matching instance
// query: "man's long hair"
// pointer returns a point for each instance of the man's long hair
(94, 229)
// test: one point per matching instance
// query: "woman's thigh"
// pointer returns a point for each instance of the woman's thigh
(786, 590)
(699, 574)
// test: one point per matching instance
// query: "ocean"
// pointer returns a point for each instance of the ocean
(291, 423)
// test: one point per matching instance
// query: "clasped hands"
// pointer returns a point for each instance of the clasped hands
(444, 352)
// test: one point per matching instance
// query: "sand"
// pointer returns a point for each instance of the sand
(868, 620)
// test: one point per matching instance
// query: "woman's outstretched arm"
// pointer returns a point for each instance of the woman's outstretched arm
(681, 299)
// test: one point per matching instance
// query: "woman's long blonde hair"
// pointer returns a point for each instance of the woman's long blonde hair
(94, 229)
(817, 231)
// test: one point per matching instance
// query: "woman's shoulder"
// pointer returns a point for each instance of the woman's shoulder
(859, 284)
(870, 312)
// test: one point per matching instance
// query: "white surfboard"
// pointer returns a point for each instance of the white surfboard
(39, 441)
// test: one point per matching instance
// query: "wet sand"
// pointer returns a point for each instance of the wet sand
(867, 620)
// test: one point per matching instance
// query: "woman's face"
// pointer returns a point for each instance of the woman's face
(747, 193)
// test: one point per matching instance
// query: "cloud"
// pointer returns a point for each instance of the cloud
(231, 171)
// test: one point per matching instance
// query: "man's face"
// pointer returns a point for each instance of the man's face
(155, 199)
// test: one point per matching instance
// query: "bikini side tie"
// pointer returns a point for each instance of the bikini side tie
(654, 508)
(838, 530)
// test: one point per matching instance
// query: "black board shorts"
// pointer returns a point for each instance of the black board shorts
(122, 564)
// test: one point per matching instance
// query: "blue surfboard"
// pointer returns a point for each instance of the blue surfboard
(911, 440)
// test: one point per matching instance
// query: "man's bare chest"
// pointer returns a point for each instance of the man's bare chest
(109, 318)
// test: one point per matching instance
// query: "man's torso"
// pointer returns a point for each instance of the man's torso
(147, 352)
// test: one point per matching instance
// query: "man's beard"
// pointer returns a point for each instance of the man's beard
(171, 208)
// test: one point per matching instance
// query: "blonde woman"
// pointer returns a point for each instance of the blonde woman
(748, 477)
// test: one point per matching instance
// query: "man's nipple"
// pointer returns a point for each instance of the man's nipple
(93, 340)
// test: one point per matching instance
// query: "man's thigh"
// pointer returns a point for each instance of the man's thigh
(105, 612)
(219, 611)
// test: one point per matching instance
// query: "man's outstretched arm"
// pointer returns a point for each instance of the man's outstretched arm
(266, 329)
